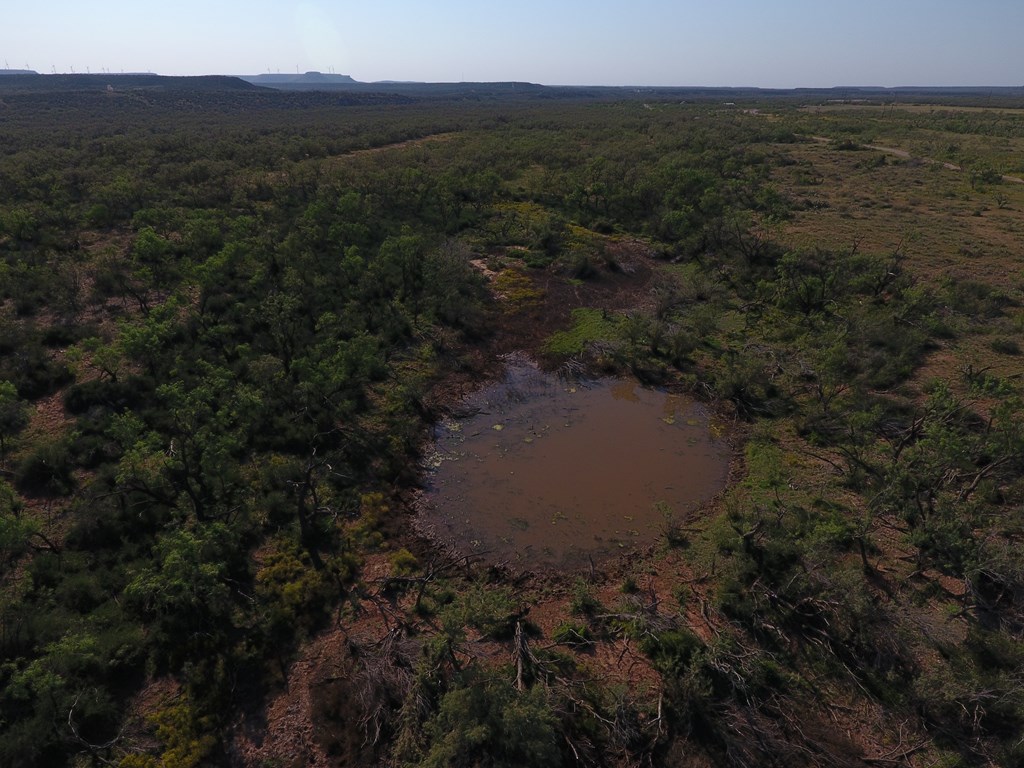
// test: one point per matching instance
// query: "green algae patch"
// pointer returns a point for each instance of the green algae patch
(588, 326)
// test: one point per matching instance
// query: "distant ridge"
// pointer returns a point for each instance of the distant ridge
(18, 72)
(36, 82)
(465, 91)
(317, 88)
(519, 91)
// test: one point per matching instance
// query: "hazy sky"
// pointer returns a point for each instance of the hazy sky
(769, 43)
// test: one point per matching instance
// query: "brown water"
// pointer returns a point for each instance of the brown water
(544, 471)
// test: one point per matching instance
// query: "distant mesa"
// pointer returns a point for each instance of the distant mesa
(306, 78)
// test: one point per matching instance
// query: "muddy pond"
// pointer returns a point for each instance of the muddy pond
(535, 470)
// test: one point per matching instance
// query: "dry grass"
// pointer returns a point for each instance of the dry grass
(946, 227)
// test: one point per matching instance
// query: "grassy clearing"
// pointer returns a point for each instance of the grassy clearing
(947, 228)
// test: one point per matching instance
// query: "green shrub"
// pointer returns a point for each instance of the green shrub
(488, 723)
(99, 216)
(537, 260)
(13, 414)
(403, 562)
(1005, 346)
(580, 265)
(582, 603)
(46, 469)
(571, 633)
(671, 651)
(975, 299)
(489, 609)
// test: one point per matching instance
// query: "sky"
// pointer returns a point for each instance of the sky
(763, 43)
